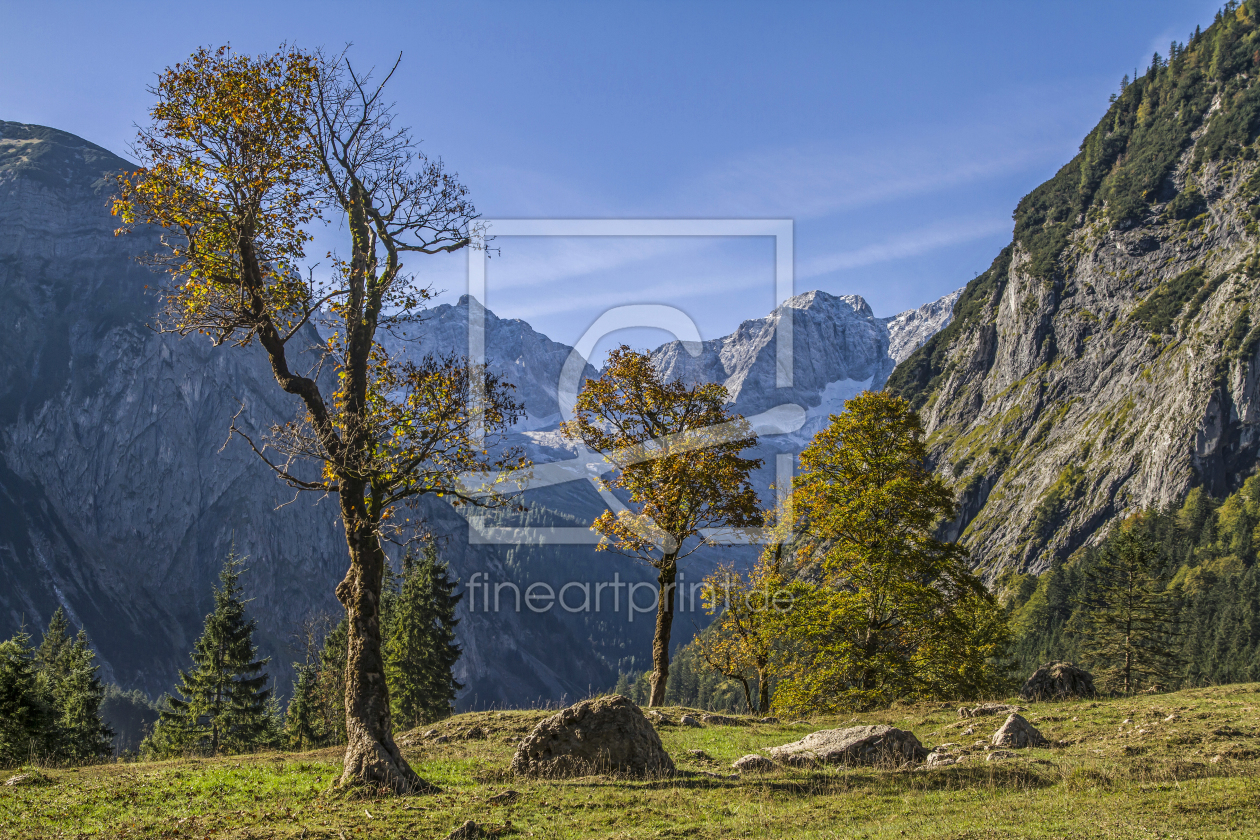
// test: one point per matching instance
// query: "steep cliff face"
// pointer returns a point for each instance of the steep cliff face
(1107, 360)
(118, 499)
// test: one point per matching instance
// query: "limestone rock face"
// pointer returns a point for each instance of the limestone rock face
(1114, 377)
(909, 330)
(1018, 733)
(603, 735)
(883, 745)
(1058, 681)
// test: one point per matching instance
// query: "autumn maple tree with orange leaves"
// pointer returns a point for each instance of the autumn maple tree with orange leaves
(675, 452)
(244, 155)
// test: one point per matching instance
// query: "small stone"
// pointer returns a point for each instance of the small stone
(720, 720)
(999, 755)
(1169, 719)
(658, 719)
(753, 763)
(505, 798)
(1127, 721)
(688, 720)
(475, 734)
(699, 755)
(430, 733)
(20, 779)
(970, 730)
(940, 758)
(768, 720)
(1018, 733)
(854, 745)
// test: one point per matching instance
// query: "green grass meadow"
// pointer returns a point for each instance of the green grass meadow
(1179, 765)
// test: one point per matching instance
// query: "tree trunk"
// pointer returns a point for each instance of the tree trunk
(660, 640)
(763, 689)
(372, 757)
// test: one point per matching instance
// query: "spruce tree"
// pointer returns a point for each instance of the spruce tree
(420, 650)
(332, 682)
(68, 680)
(24, 716)
(224, 704)
(304, 726)
(1130, 621)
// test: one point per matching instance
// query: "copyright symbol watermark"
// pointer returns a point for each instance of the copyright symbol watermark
(587, 465)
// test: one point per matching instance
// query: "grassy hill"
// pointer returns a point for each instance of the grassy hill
(1185, 764)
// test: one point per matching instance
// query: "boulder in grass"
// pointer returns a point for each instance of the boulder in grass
(869, 745)
(604, 735)
(688, 720)
(754, 764)
(1058, 681)
(1018, 733)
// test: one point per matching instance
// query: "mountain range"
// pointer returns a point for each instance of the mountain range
(1107, 362)
(120, 495)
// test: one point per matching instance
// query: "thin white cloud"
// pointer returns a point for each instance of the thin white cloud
(912, 244)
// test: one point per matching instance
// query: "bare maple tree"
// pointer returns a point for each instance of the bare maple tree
(675, 453)
(243, 155)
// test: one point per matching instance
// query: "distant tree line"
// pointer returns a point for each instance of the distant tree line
(53, 705)
(1185, 578)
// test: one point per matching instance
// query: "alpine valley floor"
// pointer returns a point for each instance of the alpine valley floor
(1184, 764)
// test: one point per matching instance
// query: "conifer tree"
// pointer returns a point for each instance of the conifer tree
(304, 725)
(420, 649)
(23, 714)
(1130, 621)
(332, 682)
(224, 704)
(68, 680)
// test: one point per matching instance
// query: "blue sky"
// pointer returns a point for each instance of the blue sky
(899, 137)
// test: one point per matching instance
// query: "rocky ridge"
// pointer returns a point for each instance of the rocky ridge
(1108, 360)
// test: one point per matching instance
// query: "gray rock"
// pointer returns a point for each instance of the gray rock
(882, 745)
(768, 720)
(1018, 733)
(939, 758)
(999, 755)
(605, 735)
(688, 720)
(754, 763)
(1058, 681)
(987, 709)
(659, 719)
(699, 755)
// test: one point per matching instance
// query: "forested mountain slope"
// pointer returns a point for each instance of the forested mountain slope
(1107, 360)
